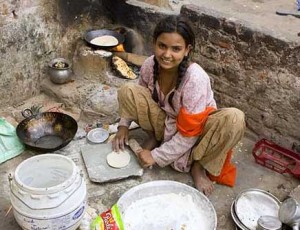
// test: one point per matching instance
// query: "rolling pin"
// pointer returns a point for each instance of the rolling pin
(135, 147)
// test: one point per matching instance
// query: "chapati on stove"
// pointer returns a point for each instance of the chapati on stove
(105, 40)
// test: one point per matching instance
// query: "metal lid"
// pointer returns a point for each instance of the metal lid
(288, 210)
(268, 223)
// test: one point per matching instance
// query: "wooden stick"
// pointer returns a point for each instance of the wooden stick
(136, 148)
(8, 211)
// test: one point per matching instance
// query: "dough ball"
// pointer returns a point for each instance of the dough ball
(118, 159)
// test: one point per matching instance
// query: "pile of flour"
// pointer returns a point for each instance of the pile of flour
(167, 212)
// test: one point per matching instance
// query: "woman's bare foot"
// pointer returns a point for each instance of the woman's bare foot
(151, 142)
(202, 182)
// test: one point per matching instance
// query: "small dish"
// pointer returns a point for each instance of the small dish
(97, 135)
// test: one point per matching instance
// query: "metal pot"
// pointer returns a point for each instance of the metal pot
(47, 131)
(268, 223)
(289, 213)
(60, 70)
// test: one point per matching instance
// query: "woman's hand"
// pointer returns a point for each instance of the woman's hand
(120, 139)
(146, 159)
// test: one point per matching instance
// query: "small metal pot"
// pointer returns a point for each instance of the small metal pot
(268, 223)
(60, 70)
(289, 213)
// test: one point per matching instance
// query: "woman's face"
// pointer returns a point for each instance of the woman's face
(170, 49)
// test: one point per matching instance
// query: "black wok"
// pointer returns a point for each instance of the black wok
(47, 131)
(90, 35)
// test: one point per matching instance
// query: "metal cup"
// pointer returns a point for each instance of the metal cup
(268, 223)
(289, 213)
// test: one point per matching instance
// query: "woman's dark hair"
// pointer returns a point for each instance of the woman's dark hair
(171, 24)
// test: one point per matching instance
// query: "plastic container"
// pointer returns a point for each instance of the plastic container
(276, 158)
(48, 192)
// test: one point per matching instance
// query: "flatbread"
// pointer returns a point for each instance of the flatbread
(105, 40)
(122, 68)
(118, 159)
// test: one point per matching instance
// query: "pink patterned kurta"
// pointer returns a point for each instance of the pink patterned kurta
(195, 94)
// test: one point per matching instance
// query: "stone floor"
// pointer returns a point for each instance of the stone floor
(103, 196)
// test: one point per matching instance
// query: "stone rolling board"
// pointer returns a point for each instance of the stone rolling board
(94, 157)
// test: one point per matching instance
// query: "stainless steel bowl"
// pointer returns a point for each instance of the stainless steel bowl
(154, 189)
(60, 70)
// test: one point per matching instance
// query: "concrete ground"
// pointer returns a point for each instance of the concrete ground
(257, 14)
(102, 196)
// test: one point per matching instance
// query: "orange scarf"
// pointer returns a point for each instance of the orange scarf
(191, 125)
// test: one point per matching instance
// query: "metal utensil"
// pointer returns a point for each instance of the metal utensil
(47, 131)
(268, 223)
(289, 213)
(238, 223)
(164, 187)
(251, 204)
(285, 13)
(60, 70)
(90, 35)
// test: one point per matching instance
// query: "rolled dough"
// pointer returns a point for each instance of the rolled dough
(105, 40)
(118, 159)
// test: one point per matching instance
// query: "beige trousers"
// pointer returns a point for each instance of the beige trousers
(223, 129)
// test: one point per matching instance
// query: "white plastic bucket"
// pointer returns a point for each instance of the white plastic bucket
(48, 192)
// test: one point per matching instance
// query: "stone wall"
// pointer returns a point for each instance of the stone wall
(34, 32)
(252, 70)
(25, 40)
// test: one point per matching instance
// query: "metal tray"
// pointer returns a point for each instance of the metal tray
(166, 209)
(251, 204)
(236, 220)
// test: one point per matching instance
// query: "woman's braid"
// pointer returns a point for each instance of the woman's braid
(155, 77)
(181, 72)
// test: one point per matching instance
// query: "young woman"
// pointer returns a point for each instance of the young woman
(174, 104)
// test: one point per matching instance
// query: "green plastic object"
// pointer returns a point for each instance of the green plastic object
(10, 145)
